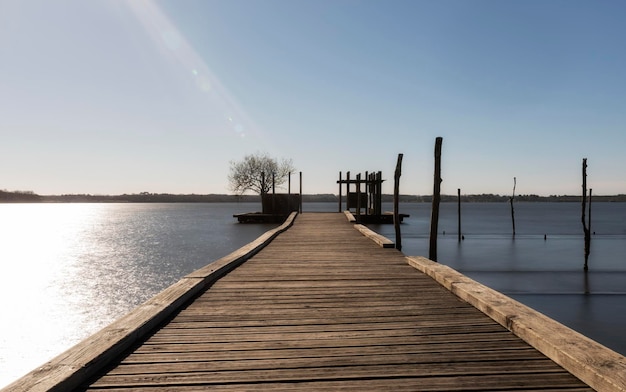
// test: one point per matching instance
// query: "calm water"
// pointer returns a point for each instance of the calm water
(546, 275)
(68, 270)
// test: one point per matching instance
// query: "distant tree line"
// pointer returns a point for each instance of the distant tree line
(146, 197)
(19, 197)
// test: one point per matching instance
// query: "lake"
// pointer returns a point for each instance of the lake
(68, 270)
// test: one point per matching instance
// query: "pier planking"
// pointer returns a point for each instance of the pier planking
(322, 307)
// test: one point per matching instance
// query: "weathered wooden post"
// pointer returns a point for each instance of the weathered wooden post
(301, 195)
(289, 207)
(396, 202)
(348, 191)
(339, 192)
(358, 198)
(511, 199)
(589, 214)
(434, 217)
(586, 229)
(458, 192)
(367, 194)
(262, 183)
(274, 194)
(379, 193)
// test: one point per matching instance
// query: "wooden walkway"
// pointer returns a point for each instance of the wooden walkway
(324, 308)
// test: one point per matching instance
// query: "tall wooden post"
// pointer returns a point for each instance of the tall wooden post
(358, 198)
(434, 217)
(589, 213)
(458, 192)
(289, 207)
(339, 192)
(586, 230)
(367, 194)
(301, 196)
(511, 199)
(262, 183)
(379, 193)
(348, 191)
(274, 193)
(396, 202)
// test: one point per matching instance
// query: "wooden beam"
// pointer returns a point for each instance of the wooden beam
(598, 366)
(381, 240)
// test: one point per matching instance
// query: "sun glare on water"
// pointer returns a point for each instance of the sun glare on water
(39, 248)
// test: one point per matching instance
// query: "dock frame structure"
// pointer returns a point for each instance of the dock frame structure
(366, 204)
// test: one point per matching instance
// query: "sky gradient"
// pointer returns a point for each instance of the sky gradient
(112, 96)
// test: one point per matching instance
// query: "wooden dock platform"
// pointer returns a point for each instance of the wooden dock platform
(322, 307)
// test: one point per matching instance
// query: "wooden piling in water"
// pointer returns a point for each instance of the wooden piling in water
(396, 202)
(434, 216)
(458, 191)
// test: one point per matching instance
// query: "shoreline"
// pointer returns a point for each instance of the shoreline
(145, 197)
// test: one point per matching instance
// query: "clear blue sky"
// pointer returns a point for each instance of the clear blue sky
(111, 96)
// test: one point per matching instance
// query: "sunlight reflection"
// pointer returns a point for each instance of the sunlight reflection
(173, 43)
(39, 251)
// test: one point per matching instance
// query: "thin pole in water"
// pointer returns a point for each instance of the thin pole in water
(458, 192)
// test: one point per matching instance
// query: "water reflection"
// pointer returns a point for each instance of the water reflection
(546, 274)
(70, 269)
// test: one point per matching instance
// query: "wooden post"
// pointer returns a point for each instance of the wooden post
(434, 217)
(358, 198)
(396, 202)
(262, 183)
(274, 193)
(379, 192)
(458, 192)
(348, 191)
(512, 210)
(339, 192)
(301, 196)
(289, 208)
(589, 213)
(367, 194)
(586, 230)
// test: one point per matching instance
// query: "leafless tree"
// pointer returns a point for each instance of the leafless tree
(254, 173)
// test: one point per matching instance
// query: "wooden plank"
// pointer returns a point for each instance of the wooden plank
(82, 361)
(322, 307)
(382, 241)
(598, 366)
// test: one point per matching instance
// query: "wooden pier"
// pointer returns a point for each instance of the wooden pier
(323, 307)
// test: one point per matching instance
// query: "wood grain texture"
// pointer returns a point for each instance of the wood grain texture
(595, 364)
(324, 308)
(71, 368)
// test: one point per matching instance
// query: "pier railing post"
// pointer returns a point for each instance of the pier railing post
(339, 192)
(301, 196)
(358, 198)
